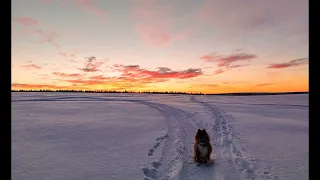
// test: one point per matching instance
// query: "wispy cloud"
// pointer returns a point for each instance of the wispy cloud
(32, 66)
(71, 55)
(228, 60)
(237, 66)
(206, 85)
(91, 7)
(295, 62)
(154, 23)
(219, 71)
(264, 84)
(239, 49)
(92, 65)
(67, 74)
(43, 36)
(232, 82)
(26, 21)
(48, 37)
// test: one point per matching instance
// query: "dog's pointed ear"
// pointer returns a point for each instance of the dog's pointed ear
(204, 130)
(199, 130)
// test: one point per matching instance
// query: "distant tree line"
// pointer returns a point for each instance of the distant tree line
(165, 92)
(258, 93)
(106, 91)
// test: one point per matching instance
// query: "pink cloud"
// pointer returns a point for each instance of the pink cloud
(134, 71)
(25, 21)
(228, 60)
(154, 23)
(89, 6)
(67, 54)
(44, 36)
(236, 66)
(131, 76)
(295, 62)
(219, 71)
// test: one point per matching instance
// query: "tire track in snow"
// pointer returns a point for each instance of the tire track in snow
(229, 148)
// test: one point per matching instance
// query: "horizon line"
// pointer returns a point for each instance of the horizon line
(164, 92)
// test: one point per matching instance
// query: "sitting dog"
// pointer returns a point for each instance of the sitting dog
(202, 147)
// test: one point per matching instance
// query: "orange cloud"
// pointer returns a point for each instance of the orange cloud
(66, 74)
(264, 84)
(131, 77)
(37, 86)
(134, 71)
(114, 83)
(205, 86)
(295, 62)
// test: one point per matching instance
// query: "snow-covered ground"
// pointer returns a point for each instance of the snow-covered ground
(144, 137)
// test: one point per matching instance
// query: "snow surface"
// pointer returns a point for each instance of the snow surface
(144, 137)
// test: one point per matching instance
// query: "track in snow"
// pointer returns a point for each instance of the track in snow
(229, 150)
(176, 159)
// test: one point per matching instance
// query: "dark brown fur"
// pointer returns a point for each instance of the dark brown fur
(202, 139)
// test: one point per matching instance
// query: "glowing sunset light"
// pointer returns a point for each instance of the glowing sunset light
(208, 46)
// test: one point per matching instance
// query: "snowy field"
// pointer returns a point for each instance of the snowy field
(90, 136)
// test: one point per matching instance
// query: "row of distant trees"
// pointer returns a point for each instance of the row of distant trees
(105, 91)
(156, 92)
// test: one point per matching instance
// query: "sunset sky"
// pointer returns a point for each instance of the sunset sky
(209, 46)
